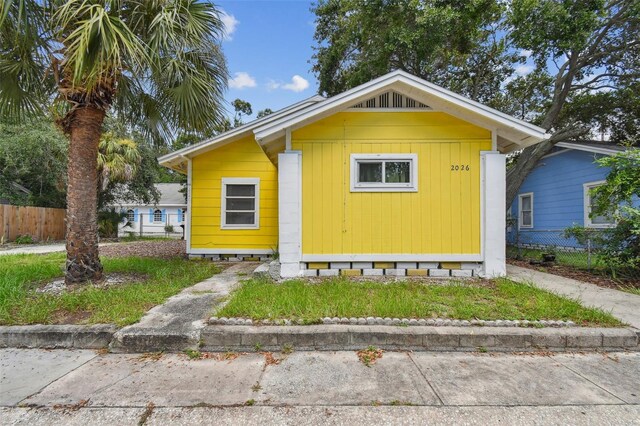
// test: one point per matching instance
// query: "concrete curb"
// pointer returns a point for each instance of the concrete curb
(57, 336)
(419, 338)
(138, 340)
(220, 338)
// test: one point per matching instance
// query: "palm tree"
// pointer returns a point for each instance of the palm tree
(118, 160)
(156, 64)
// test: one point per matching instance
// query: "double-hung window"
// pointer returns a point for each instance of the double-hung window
(590, 221)
(240, 203)
(525, 209)
(131, 215)
(384, 172)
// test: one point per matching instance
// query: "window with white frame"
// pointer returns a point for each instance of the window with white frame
(525, 210)
(598, 221)
(157, 215)
(240, 203)
(384, 172)
(184, 215)
(131, 215)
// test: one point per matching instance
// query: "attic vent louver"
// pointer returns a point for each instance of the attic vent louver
(391, 100)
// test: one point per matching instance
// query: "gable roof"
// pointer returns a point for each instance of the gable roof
(170, 195)
(177, 159)
(596, 147)
(512, 133)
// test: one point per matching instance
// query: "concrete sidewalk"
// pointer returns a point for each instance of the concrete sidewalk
(318, 387)
(40, 249)
(622, 305)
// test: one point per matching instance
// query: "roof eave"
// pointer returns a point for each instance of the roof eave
(276, 128)
(246, 129)
(594, 149)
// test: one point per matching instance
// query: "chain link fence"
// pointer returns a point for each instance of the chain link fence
(553, 245)
(148, 225)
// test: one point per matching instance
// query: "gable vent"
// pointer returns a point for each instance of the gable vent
(392, 100)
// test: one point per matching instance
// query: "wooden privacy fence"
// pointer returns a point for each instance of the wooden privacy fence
(40, 222)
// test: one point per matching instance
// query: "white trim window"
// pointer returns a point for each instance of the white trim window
(157, 216)
(602, 221)
(384, 172)
(525, 210)
(131, 216)
(240, 203)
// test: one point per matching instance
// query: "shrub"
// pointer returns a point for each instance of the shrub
(168, 229)
(108, 222)
(619, 246)
(24, 239)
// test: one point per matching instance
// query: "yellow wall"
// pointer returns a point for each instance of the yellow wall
(442, 217)
(245, 159)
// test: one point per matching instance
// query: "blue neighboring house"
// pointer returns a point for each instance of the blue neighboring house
(556, 195)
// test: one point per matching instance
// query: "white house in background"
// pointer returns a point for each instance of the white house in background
(152, 219)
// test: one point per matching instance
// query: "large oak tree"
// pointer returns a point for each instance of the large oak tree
(156, 64)
(579, 49)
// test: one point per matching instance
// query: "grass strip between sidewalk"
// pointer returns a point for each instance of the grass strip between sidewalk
(339, 297)
(122, 304)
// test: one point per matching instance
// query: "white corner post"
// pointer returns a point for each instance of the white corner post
(290, 212)
(494, 188)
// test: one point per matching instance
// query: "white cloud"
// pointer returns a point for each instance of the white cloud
(298, 84)
(242, 80)
(524, 69)
(526, 53)
(230, 23)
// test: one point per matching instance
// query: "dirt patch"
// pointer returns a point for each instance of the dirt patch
(164, 249)
(580, 275)
(65, 317)
(58, 286)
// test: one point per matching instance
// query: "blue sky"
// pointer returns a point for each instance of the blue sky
(268, 48)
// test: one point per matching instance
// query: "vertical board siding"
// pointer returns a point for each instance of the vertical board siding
(443, 216)
(39, 222)
(240, 159)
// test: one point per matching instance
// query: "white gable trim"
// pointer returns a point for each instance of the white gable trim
(179, 156)
(594, 149)
(519, 132)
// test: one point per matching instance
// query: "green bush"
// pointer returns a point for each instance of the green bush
(619, 246)
(24, 239)
(108, 222)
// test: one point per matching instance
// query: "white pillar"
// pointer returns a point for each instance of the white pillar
(290, 212)
(494, 187)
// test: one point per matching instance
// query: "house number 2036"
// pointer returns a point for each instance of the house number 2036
(459, 167)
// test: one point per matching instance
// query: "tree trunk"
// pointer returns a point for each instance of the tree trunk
(83, 263)
(521, 169)
(530, 157)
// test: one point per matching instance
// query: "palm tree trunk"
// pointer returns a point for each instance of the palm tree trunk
(83, 263)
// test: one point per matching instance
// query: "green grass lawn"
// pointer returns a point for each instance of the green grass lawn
(311, 301)
(124, 304)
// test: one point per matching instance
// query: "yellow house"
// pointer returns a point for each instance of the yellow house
(397, 177)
